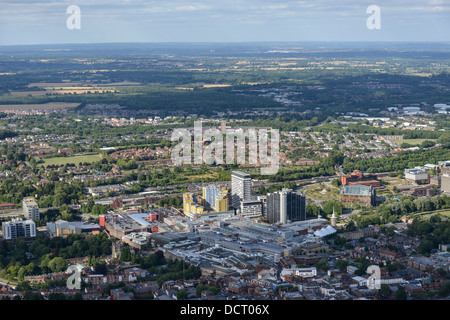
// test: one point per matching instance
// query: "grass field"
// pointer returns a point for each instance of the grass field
(322, 192)
(413, 142)
(426, 215)
(77, 159)
(50, 105)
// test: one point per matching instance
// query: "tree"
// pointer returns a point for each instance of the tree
(57, 264)
(336, 182)
(322, 265)
(125, 254)
(427, 144)
(341, 264)
(400, 294)
(100, 268)
(350, 226)
(385, 292)
(333, 204)
(182, 294)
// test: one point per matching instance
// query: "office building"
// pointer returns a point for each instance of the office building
(445, 176)
(445, 182)
(285, 205)
(30, 209)
(240, 188)
(251, 208)
(418, 175)
(18, 228)
(358, 194)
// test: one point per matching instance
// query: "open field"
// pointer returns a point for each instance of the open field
(50, 105)
(322, 192)
(54, 85)
(413, 142)
(75, 160)
(426, 215)
(26, 93)
(391, 182)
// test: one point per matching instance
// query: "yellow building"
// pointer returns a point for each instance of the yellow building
(190, 205)
(221, 204)
(215, 198)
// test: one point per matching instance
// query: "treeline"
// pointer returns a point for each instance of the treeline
(433, 232)
(403, 160)
(391, 211)
(48, 254)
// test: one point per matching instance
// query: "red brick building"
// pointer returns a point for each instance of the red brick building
(357, 178)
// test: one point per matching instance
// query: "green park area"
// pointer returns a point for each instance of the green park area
(75, 160)
(322, 192)
(413, 142)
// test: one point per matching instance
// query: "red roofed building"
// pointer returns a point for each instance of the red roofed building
(357, 178)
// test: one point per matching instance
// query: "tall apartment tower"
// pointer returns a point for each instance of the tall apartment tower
(17, 228)
(30, 209)
(241, 188)
(285, 205)
(215, 197)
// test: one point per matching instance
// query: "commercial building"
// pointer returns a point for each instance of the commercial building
(240, 188)
(30, 209)
(251, 208)
(445, 182)
(358, 194)
(62, 228)
(18, 228)
(285, 205)
(122, 224)
(418, 175)
(299, 272)
(137, 240)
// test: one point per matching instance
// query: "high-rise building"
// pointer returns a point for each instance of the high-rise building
(285, 205)
(30, 209)
(240, 188)
(216, 198)
(18, 228)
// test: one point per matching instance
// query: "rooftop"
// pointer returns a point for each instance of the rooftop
(357, 190)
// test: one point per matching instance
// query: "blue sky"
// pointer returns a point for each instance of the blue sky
(44, 21)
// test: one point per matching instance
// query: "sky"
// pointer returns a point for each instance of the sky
(45, 21)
